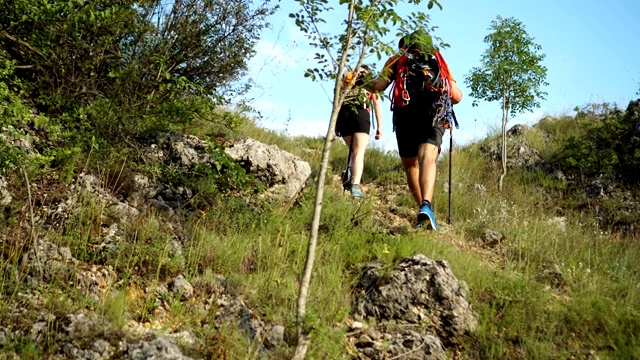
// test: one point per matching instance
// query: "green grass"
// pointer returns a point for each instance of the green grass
(261, 252)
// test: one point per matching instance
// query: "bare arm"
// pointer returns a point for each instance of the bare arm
(377, 109)
(456, 94)
(379, 85)
(384, 78)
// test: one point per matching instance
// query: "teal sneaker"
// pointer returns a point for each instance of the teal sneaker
(426, 213)
(356, 191)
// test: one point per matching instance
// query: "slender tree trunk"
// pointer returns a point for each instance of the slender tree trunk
(505, 119)
(304, 333)
(304, 336)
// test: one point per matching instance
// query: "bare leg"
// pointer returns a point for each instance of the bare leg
(360, 141)
(412, 171)
(428, 157)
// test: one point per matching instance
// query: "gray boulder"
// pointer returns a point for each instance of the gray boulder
(284, 173)
(419, 291)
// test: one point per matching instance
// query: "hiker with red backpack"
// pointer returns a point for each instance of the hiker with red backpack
(353, 125)
(422, 99)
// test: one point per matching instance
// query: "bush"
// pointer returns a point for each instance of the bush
(67, 49)
(12, 112)
(605, 144)
(127, 67)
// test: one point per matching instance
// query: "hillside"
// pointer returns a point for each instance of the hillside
(144, 215)
(211, 269)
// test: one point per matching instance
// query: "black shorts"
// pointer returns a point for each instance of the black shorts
(414, 127)
(352, 119)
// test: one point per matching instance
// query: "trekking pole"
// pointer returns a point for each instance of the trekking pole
(450, 160)
(348, 171)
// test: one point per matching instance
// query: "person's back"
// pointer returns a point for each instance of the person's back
(418, 134)
(354, 124)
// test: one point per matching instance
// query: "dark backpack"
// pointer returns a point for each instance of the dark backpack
(422, 72)
(419, 75)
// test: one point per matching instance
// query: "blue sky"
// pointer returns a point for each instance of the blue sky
(592, 56)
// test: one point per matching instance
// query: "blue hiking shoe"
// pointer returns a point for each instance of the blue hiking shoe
(356, 191)
(426, 213)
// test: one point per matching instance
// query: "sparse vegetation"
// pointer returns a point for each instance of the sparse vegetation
(562, 282)
(260, 252)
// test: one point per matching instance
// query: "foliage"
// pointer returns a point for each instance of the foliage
(510, 72)
(364, 31)
(66, 50)
(10, 155)
(12, 112)
(606, 144)
(206, 42)
(593, 111)
(129, 68)
(103, 76)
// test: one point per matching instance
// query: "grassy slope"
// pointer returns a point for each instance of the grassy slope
(522, 313)
(525, 313)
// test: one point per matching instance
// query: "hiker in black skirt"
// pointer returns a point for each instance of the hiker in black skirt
(354, 124)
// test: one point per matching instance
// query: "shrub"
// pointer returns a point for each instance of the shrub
(127, 67)
(606, 144)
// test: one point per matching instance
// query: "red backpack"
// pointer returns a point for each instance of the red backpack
(426, 76)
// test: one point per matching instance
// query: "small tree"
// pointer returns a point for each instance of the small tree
(365, 25)
(511, 72)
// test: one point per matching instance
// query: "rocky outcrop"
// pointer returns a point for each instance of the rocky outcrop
(517, 130)
(46, 262)
(284, 173)
(519, 152)
(84, 334)
(418, 309)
